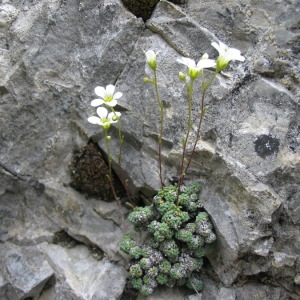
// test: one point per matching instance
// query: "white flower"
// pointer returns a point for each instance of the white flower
(105, 118)
(108, 96)
(226, 54)
(151, 59)
(193, 68)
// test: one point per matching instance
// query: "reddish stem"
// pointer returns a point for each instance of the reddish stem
(198, 132)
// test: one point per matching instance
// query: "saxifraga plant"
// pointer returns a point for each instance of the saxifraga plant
(179, 236)
(179, 230)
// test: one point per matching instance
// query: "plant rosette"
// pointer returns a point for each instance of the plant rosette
(178, 237)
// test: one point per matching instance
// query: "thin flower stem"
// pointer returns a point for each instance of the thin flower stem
(202, 112)
(162, 114)
(190, 88)
(107, 143)
(205, 87)
(121, 170)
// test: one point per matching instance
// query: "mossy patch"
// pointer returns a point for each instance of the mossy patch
(89, 172)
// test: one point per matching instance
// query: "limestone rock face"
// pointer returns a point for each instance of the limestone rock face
(52, 55)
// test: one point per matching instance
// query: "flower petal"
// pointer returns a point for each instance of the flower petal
(235, 54)
(112, 116)
(110, 89)
(187, 61)
(216, 46)
(94, 120)
(205, 56)
(97, 102)
(100, 91)
(206, 63)
(112, 103)
(223, 47)
(102, 112)
(118, 95)
(150, 55)
(151, 59)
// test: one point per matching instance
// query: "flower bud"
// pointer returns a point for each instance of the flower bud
(221, 63)
(146, 79)
(194, 73)
(151, 59)
(105, 125)
(182, 76)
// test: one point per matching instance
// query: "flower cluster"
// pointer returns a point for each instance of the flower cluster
(109, 98)
(179, 237)
(226, 54)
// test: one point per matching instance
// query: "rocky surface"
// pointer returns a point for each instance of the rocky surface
(57, 243)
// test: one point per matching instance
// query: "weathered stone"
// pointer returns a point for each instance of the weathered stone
(26, 272)
(52, 55)
(282, 259)
(8, 14)
(3, 288)
(85, 276)
(297, 279)
(84, 221)
(256, 291)
(185, 35)
(163, 294)
(261, 27)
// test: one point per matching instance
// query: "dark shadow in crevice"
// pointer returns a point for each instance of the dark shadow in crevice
(141, 8)
(144, 8)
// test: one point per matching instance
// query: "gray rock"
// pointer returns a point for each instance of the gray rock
(85, 276)
(83, 221)
(25, 270)
(164, 294)
(3, 288)
(256, 291)
(282, 259)
(8, 14)
(182, 33)
(52, 55)
(262, 28)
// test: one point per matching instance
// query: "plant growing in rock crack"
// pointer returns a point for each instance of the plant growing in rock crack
(109, 99)
(179, 231)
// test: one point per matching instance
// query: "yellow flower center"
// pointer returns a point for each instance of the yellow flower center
(108, 98)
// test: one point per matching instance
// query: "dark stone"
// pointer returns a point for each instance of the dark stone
(266, 145)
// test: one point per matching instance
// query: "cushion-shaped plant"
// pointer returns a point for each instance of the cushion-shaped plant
(179, 236)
